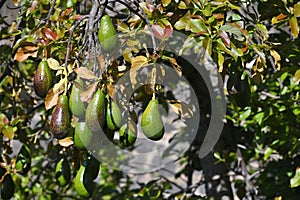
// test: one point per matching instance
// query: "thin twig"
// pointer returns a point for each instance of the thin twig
(50, 11)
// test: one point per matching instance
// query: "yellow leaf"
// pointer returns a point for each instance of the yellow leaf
(297, 10)
(278, 18)
(294, 27)
(175, 65)
(8, 132)
(66, 142)
(54, 64)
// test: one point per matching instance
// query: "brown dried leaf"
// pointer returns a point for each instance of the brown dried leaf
(87, 94)
(85, 73)
(23, 53)
(51, 99)
(101, 61)
(66, 142)
(111, 91)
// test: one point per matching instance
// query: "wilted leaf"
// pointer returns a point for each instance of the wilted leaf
(88, 93)
(66, 142)
(220, 61)
(51, 99)
(8, 132)
(151, 79)
(24, 52)
(85, 73)
(54, 64)
(294, 27)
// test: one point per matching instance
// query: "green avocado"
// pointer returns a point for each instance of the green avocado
(75, 103)
(152, 124)
(63, 172)
(107, 34)
(113, 114)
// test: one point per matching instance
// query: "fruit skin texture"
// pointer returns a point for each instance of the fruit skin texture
(75, 103)
(7, 187)
(95, 112)
(63, 172)
(23, 162)
(42, 79)
(82, 136)
(61, 121)
(107, 34)
(113, 115)
(152, 124)
(127, 135)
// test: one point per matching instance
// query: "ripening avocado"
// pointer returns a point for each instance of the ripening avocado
(107, 34)
(152, 124)
(75, 103)
(7, 187)
(83, 182)
(127, 134)
(63, 172)
(95, 112)
(61, 120)
(23, 162)
(82, 136)
(42, 79)
(113, 114)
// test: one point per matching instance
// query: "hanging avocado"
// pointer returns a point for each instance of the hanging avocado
(42, 79)
(152, 124)
(107, 35)
(61, 120)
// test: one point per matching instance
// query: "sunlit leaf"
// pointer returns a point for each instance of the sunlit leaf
(8, 132)
(276, 57)
(165, 2)
(138, 62)
(297, 10)
(295, 180)
(66, 142)
(296, 78)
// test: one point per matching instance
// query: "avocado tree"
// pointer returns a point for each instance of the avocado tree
(171, 99)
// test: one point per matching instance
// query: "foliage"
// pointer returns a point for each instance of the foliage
(254, 43)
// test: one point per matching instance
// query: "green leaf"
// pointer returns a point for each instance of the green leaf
(165, 2)
(268, 152)
(259, 117)
(196, 25)
(295, 181)
(245, 114)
